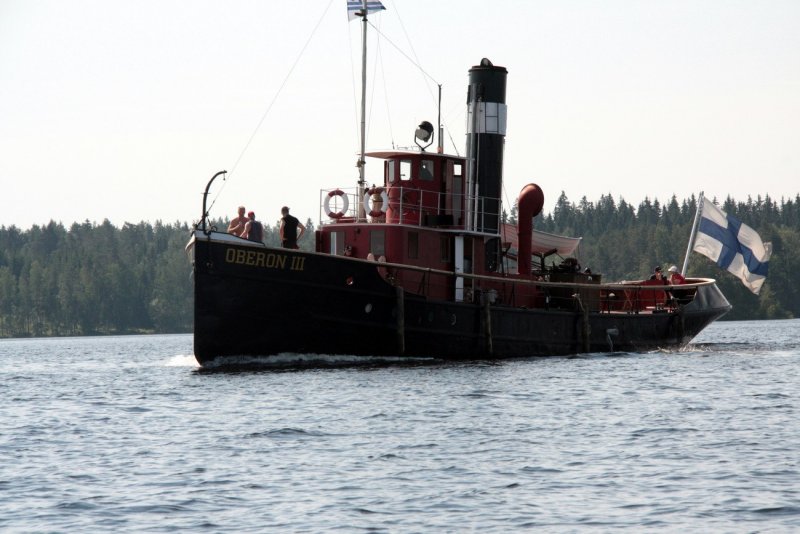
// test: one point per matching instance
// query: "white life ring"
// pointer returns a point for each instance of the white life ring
(368, 202)
(345, 204)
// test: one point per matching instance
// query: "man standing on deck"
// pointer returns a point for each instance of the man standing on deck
(253, 230)
(289, 226)
(237, 224)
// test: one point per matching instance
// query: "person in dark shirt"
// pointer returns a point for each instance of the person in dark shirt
(253, 230)
(657, 275)
(289, 226)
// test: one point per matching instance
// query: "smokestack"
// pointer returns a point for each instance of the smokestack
(486, 130)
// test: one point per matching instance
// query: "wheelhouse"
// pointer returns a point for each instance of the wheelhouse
(420, 215)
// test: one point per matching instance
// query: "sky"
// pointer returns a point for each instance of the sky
(123, 110)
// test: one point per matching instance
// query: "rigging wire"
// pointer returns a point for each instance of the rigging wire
(415, 63)
(353, 82)
(413, 51)
(374, 85)
(386, 99)
(426, 76)
(379, 61)
(272, 103)
(444, 123)
(452, 141)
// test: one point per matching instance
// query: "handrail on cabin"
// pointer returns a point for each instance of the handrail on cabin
(545, 283)
(418, 207)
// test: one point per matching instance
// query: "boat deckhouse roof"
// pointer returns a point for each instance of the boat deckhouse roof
(389, 154)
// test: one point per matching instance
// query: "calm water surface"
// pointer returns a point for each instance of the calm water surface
(126, 434)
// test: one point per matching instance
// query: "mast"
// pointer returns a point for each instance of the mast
(440, 146)
(361, 159)
(694, 233)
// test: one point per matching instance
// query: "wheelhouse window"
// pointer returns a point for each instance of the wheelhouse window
(405, 170)
(426, 170)
(390, 171)
(413, 245)
(377, 243)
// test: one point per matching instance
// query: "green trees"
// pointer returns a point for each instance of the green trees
(96, 279)
(170, 300)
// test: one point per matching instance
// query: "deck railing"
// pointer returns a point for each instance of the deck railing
(512, 290)
(412, 206)
(618, 297)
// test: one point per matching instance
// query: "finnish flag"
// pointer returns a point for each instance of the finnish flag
(356, 7)
(734, 246)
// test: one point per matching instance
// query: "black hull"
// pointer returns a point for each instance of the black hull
(258, 301)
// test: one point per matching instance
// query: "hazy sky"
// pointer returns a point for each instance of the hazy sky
(124, 110)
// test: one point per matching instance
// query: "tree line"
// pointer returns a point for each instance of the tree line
(100, 279)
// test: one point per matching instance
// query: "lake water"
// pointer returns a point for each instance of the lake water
(126, 434)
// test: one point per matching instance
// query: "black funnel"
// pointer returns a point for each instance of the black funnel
(486, 130)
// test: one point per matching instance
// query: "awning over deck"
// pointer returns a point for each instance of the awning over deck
(542, 241)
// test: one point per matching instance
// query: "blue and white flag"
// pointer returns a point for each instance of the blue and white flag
(356, 7)
(734, 246)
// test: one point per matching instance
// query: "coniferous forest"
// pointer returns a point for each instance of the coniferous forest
(93, 279)
(99, 279)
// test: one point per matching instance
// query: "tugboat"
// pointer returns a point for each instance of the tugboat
(423, 265)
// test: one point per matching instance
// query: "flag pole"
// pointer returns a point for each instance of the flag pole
(361, 162)
(694, 233)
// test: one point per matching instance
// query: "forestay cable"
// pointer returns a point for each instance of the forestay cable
(272, 103)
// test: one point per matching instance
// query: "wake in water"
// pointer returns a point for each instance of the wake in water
(182, 360)
(743, 348)
(291, 360)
